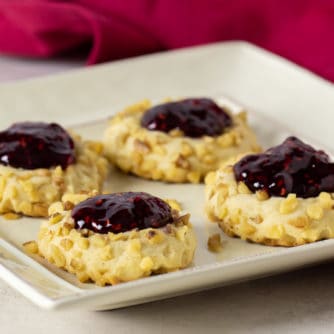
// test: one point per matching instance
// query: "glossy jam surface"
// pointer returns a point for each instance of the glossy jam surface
(121, 212)
(292, 167)
(195, 117)
(32, 145)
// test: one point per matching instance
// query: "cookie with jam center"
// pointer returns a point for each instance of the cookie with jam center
(178, 141)
(39, 162)
(282, 197)
(114, 238)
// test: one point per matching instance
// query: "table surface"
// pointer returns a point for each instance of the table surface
(296, 302)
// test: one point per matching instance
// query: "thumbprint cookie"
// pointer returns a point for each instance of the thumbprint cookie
(39, 162)
(114, 238)
(282, 197)
(179, 141)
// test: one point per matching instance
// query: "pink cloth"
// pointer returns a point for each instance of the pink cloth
(300, 30)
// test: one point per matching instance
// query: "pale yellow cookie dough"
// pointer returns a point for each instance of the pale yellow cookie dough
(30, 192)
(112, 258)
(171, 156)
(275, 221)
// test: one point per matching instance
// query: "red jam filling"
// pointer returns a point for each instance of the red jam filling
(292, 167)
(195, 117)
(32, 145)
(121, 212)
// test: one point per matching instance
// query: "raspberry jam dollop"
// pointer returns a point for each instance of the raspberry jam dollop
(121, 212)
(32, 145)
(195, 117)
(292, 167)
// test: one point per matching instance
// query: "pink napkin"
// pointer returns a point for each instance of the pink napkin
(300, 30)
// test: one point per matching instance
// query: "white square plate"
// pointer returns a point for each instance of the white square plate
(288, 100)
